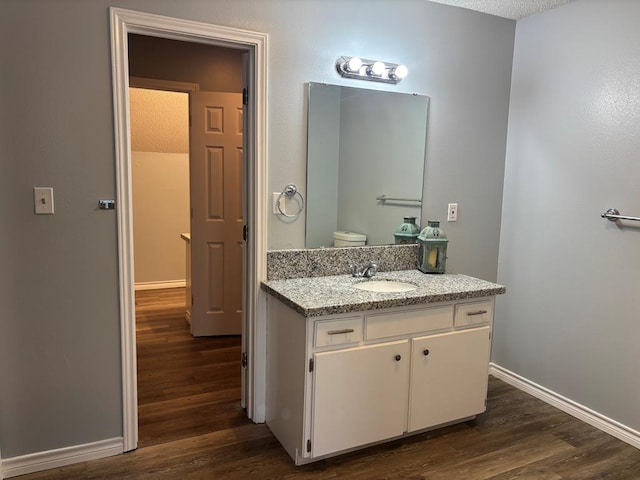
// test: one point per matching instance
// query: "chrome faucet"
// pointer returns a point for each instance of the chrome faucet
(367, 270)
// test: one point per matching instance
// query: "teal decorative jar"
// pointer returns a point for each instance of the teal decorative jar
(432, 250)
(407, 232)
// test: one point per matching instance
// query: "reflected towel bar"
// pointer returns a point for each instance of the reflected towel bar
(384, 198)
(613, 214)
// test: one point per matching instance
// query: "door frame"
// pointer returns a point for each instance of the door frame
(254, 44)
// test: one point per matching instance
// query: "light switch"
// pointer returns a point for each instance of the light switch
(43, 200)
(278, 197)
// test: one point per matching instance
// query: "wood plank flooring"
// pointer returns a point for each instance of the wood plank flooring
(186, 386)
(201, 432)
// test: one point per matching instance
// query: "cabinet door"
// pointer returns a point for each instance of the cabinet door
(449, 375)
(360, 395)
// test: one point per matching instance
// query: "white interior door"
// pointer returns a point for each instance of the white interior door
(216, 178)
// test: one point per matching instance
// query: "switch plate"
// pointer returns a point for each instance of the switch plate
(452, 212)
(43, 200)
(283, 204)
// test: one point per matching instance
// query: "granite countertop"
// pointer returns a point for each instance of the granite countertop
(315, 296)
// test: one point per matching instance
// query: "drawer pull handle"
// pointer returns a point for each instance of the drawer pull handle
(398, 358)
(338, 332)
(477, 312)
(426, 352)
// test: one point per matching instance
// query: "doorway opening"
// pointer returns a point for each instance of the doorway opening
(253, 48)
(186, 386)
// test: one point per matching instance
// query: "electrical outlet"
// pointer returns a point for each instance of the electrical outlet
(43, 200)
(452, 212)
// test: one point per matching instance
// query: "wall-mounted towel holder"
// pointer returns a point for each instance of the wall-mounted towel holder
(383, 198)
(290, 191)
(613, 214)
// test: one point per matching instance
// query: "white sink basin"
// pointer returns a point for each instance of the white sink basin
(386, 286)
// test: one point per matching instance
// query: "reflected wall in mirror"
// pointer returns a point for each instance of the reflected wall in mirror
(362, 144)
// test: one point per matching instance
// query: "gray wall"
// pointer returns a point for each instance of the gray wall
(59, 330)
(569, 320)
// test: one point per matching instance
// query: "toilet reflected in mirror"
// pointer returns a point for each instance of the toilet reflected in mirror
(344, 238)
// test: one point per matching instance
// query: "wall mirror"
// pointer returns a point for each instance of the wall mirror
(361, 145)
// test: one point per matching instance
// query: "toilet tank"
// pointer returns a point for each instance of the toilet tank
(345, 238)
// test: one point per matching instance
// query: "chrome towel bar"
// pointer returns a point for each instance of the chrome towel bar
(384, 198)
(613, 214)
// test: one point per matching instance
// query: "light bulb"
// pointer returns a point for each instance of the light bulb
(399, 72)
(376, 69)
(353, 65)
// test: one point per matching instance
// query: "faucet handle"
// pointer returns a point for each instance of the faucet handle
(370, 270)
(355, 268)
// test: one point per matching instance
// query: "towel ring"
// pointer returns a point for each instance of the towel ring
(290, 191)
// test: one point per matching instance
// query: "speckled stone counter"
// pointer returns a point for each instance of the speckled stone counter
(315, 296)
(321, 262)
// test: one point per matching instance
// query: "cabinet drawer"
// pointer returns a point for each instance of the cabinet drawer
(408, 322)
(473, 314)
(338, 332)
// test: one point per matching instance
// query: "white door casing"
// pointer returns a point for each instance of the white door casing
(254, 44)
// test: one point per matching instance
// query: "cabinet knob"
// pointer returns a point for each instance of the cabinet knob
(426, 352)
(398, 358)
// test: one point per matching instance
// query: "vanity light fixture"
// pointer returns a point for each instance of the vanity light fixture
(377, 68)
(353, 65)
(363, 69)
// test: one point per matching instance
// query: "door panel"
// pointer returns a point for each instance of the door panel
(215, 184)
(216, 277)
(216, 178)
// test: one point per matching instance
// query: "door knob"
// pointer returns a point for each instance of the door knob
(426, 352)
(398, 358)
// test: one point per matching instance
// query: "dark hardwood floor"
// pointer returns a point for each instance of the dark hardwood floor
(186, 386)
(192, 427)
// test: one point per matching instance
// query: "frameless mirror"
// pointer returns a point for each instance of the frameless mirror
(365, 162)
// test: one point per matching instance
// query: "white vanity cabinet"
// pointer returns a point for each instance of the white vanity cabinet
(339, 382)
(448, 377)
(359, 396)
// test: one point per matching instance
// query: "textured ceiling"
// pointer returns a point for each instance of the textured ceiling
(159, 121)
(515, 9)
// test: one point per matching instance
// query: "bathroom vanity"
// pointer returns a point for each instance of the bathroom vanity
(348, 368)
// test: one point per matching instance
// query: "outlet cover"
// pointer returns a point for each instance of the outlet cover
(452, 212)
(43, 200)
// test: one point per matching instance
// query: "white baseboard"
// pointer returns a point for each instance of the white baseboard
(160, 285)
(36, 462)
(593, 418)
